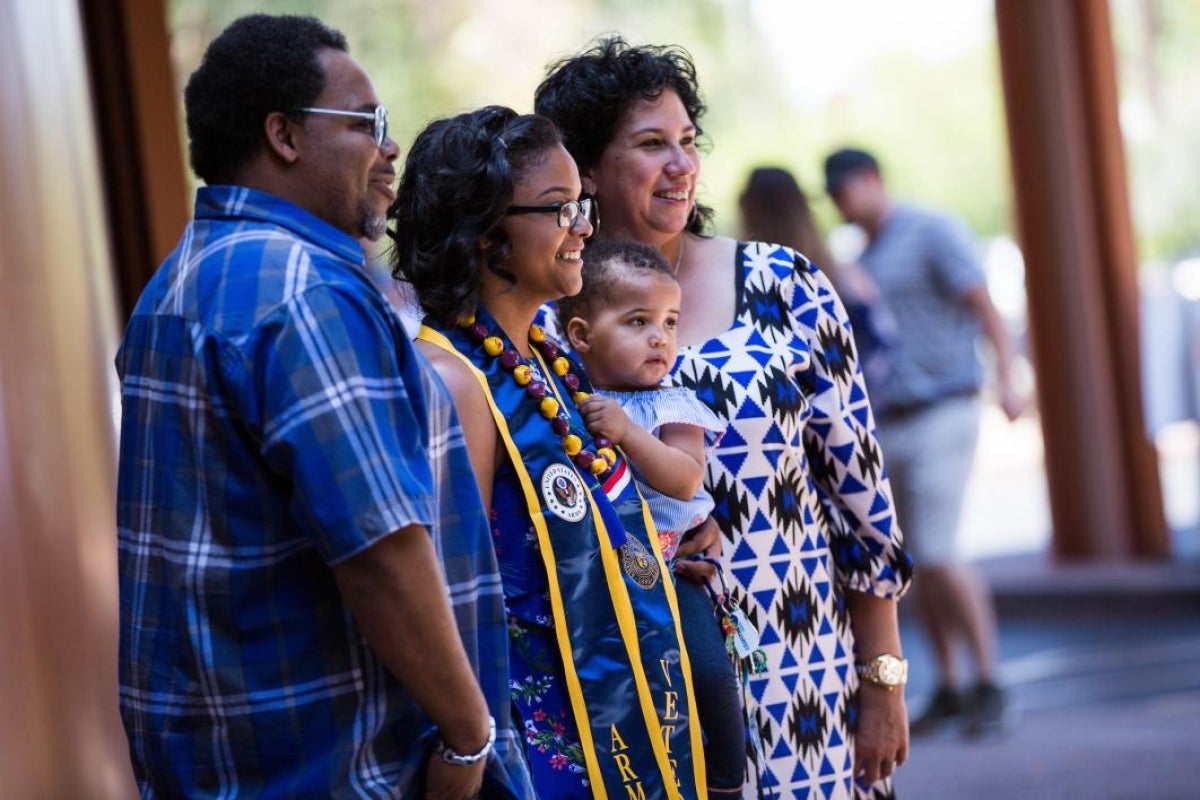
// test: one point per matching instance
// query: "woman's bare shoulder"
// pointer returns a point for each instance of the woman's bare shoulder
(709, 289)
(474, 412)
(459, 378)
(714, 248)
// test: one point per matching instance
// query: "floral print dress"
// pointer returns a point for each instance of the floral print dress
(539, 693)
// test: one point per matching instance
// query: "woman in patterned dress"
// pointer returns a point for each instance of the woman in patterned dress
(802, 497)
(490, 226)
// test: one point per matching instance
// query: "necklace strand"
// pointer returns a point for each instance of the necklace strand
(526, 375)
(679, 255)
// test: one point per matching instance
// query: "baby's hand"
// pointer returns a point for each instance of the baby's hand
(704, 542)
(604, 417)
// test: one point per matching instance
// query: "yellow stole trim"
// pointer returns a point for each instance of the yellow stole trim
(618, 590)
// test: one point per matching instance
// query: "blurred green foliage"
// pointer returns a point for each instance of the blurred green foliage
(936, 124)
(1159, 76)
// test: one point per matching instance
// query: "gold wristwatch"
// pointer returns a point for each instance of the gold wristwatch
(885, 670)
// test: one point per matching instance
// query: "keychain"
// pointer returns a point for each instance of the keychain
(741, 640)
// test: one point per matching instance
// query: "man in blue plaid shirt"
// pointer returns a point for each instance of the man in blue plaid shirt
(310, 604)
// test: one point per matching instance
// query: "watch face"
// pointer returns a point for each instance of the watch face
(885, 670)
(891, 671)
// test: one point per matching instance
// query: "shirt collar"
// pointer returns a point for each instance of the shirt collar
(214, 202)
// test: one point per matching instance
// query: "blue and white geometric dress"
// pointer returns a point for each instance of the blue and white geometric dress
(805, 508)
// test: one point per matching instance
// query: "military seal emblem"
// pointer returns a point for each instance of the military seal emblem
(639, 563)
(564, 493)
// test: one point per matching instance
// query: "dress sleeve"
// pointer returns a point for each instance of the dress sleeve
(547, 317)
(844, 456)
(340, 410)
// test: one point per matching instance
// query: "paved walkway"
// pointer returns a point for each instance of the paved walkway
(1099, 751)
(1103, 664)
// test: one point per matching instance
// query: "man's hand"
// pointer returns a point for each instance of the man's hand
(402, 571)
(453, 782)
(1012, 402)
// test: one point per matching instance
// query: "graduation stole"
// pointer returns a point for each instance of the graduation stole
(611, 596)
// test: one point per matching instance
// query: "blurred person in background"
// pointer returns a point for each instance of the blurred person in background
(293, 490)
(804, 509)
(773, 208)
(927, 405)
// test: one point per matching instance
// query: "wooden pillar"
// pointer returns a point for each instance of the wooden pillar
(136, 107)
(1073, 220)
(60, 732)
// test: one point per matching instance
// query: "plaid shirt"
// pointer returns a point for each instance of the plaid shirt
(276, 421)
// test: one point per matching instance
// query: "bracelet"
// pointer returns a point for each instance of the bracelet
(458, 760)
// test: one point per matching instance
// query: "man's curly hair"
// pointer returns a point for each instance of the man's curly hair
(588, 95)
(259, 64)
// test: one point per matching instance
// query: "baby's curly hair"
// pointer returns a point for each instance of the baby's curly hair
(259, 64)
(605, 262)
(588, 95)
(457, 183)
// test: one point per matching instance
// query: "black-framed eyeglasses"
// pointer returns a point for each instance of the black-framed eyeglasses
(568, 212)
(378, 117)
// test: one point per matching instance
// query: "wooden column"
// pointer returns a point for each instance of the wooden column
(1074, 225)
(136, 107)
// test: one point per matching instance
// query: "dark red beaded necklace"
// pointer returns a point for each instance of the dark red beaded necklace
(523, 372)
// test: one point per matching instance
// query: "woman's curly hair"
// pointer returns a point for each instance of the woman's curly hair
(457, 183)
(588, 95)
(259, 64)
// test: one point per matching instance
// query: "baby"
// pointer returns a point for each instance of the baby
(622, 326)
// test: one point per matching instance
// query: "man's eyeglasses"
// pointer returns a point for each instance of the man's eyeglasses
(568, 212)
(378, 117)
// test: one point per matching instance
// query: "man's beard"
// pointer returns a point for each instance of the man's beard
(373, 225)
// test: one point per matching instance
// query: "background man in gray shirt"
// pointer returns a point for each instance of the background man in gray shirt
(927, 409)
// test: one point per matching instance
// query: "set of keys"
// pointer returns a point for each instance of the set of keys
(741, 639)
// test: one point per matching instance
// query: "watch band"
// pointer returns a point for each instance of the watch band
(459, 760)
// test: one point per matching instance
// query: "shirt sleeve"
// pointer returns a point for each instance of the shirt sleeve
(341, 415)
(847, 467)
(952, 249)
